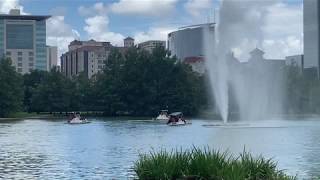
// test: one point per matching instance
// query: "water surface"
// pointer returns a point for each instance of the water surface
(106, 149)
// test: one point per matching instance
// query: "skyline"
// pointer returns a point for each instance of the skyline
(153, 19)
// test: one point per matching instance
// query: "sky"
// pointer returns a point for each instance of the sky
(113, 20)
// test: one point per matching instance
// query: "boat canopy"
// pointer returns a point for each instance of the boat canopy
(164, 110)
(176, 114)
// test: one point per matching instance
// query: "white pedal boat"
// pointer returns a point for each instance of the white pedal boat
(163, 116)
(77, 120)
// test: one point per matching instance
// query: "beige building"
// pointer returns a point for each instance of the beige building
(150, 45)
(85, 56)
(128, 42)
(52, 57)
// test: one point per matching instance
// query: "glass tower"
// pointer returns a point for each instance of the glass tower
(23, 40)
(311, 28)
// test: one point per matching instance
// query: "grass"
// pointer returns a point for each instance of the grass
(206, 164)
(22, 115)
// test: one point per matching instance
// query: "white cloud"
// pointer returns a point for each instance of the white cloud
(97, 29)
(98, 8)
(198, 7)
(144, 7)
(154, 33)
(6, 5)
(60, 34)
(283, 30)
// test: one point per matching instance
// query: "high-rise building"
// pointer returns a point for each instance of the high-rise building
(151, 44)
(311, 28)
(188, 41)
(52, 57)
(23, 39)
(85, 57)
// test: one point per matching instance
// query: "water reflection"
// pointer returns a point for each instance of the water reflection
(38, 149)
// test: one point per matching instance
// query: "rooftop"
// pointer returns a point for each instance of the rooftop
(128, 38)
(14, 14)
(24, 17)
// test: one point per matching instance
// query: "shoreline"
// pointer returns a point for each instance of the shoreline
(56, 116)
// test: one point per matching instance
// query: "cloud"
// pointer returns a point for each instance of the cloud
(154, 33)
(144, 7)
(241, 26)
(272, 25)
(197, 8)
(283, 30)
(98, 8)
(60, 34)
(58, 11)
(6, 5)
(97, 29)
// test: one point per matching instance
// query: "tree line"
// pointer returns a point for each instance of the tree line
(136, 83)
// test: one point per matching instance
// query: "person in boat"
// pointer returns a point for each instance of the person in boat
(182, 119)
(82, 118)
(71, 116)
(173, 119)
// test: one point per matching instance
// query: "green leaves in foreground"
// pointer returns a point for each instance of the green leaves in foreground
(206, 164)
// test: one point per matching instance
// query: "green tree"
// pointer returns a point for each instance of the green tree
(11, 91)
(141, 83)
(54, 94)
(31, 81)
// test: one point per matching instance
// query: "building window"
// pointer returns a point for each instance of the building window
(30, 53)
(19, 53)
(19, 69)
(8, 53)
(30, 69)
(19, 36)
(100, 61)
(31, 64)
(20, 64)
(19, 58)
(31, 59)
(100, 67)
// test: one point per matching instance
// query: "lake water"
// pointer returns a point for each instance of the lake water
(107, 149)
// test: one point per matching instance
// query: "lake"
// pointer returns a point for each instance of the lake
(107, 149)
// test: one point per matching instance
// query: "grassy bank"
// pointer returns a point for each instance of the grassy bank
(206, 164)
(26, 115)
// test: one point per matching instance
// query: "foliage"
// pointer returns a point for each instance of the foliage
(54, 94)
(206, 164)
(30, 82)
(142, 83)
(135, 82)
(11, 91)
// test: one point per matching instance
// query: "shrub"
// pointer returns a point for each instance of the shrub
(206, 164)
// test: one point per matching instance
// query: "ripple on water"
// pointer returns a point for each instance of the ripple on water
(107, 149)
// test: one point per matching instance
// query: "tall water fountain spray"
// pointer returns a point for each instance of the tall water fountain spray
(256, 86)
(218, 72)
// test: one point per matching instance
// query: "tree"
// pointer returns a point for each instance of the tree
(141, 83)
(54, 94)
(31, 81)
(11, 91)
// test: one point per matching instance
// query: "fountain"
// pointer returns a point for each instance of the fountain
(255, 84)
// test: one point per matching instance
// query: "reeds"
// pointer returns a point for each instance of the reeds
(206, 164)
